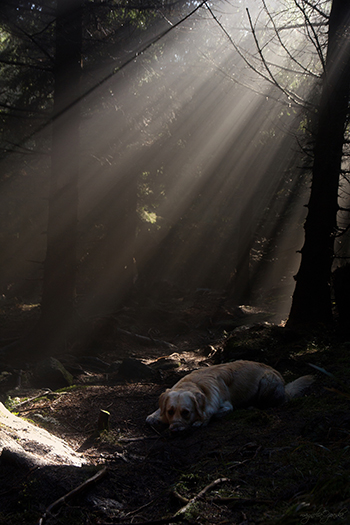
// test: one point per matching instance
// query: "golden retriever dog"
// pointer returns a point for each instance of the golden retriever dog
(218, 389)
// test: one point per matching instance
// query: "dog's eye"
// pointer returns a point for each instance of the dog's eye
(171, 412)
(185, 413)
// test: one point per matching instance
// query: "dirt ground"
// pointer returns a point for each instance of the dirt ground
(287, 465)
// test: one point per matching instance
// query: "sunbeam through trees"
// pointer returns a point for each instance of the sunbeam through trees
(181, 147)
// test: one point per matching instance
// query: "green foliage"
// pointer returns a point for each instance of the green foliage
(188, 481)
(11, 402)
(70, 388)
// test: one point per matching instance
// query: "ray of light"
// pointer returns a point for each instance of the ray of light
(197, 135)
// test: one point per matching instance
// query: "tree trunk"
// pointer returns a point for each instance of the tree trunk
(239, 289)
(115, 256)
(57, 306)
(312, 296)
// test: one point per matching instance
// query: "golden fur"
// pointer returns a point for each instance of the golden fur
(218, 389)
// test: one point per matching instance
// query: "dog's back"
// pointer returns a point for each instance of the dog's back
(237, 382)
(245, 382)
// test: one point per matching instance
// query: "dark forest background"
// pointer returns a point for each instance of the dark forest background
(145, 143)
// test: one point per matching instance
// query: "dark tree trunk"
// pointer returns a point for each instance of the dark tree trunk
(116, 251)
(239, 289)
(312, 296)
(57, 306)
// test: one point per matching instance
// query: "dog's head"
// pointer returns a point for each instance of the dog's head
(181, 408)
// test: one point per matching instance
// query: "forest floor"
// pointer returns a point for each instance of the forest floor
(287, 465)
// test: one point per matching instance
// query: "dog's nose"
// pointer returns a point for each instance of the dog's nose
(176, 427)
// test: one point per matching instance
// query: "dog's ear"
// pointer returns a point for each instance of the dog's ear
(162, 401)
(200, 403)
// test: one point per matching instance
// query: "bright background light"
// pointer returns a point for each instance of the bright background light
(191, 165)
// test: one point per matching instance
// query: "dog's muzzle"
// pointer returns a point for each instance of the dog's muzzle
(177, 427)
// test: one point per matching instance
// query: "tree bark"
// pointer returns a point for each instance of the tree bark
(312, 296)
(60, 266)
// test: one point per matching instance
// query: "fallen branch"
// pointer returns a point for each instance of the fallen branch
(140, 438)
(72, 493)
(200, 495)
(241, 501)
(179, 515)
(136, 511)
(38, 396)
(146, 340)
(162, 521)
(180, 498)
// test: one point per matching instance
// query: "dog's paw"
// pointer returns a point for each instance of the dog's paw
(226, 408)
(154, 418)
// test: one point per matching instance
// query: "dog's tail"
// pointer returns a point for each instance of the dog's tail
(297, 387)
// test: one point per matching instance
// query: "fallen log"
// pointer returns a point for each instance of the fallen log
(27, 445)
